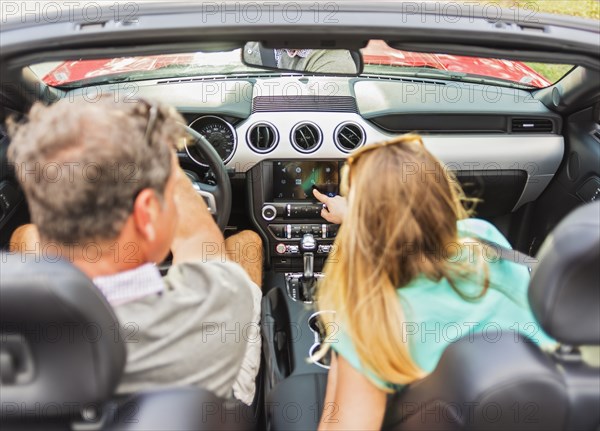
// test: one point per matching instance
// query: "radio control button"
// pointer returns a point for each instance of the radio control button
(296, 231)
(269, 212)
(324, 249)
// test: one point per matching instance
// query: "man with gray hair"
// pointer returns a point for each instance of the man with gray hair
(105, 190)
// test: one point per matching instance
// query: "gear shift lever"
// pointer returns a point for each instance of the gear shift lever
(309, 263)
(308, 245)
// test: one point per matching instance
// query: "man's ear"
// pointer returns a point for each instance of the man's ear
(145, 213)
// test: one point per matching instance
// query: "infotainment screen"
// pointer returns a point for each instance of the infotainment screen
(294, 180)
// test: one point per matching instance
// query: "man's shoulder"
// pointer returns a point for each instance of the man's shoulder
(193, 331)
(204, 276)
(195, 292)
(220, 288)
(212, 288)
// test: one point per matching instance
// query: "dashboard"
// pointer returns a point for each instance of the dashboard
(469, 127)
(283, 134)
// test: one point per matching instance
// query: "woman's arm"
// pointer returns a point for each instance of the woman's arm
(352, 402)
(329, 407)
(336, 207)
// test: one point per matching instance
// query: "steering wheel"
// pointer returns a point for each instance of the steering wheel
(218, 197)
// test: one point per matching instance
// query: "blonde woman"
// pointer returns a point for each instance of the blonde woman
(408, 278)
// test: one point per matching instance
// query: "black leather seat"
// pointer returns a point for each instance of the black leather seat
(62, 356)
(507, 382)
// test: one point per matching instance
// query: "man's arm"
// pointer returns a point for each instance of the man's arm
(197, 238)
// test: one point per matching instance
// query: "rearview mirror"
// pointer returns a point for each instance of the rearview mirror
(326, 61)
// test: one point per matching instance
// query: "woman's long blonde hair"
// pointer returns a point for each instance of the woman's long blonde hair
(402, 212)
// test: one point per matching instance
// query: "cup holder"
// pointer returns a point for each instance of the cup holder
(318, 328)
(316, 325)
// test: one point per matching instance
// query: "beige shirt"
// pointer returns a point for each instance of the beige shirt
(201, 329)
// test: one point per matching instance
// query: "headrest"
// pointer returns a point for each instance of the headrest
(564, 293)
(60, 344)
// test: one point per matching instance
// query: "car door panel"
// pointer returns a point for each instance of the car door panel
(577, 180)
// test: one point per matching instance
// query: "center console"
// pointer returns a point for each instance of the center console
(298, 239)
(297, 242)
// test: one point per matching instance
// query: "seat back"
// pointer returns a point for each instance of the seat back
(484, 382)
(62, 356)
(564, 295)
(506, 381)
(174, 409)
(61, 352)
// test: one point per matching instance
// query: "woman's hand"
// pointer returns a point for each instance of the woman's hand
(336, 207)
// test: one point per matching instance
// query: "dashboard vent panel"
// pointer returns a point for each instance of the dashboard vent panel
(348, 137)
(371, 77)
(237, 76)
(262, 137)
(532, 125)
(306, 137)
(304, 104)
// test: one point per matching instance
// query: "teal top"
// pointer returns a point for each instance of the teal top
(435, 315)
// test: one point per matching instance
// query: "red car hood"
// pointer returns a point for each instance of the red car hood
(377, 52)
(73, 71)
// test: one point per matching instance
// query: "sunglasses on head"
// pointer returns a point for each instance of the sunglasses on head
(354, 157)
(150, 126)
(152, 117)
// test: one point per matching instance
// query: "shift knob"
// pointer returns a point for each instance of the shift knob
(308, 243)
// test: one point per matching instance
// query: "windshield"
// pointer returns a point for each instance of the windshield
(108, 70)
(378, 57)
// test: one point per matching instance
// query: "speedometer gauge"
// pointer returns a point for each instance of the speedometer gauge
(219, 133)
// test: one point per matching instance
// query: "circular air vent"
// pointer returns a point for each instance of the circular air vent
(262, 137)
(306, 137)
(348, 137)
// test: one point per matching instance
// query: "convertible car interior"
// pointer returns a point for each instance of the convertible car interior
(525, 144)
